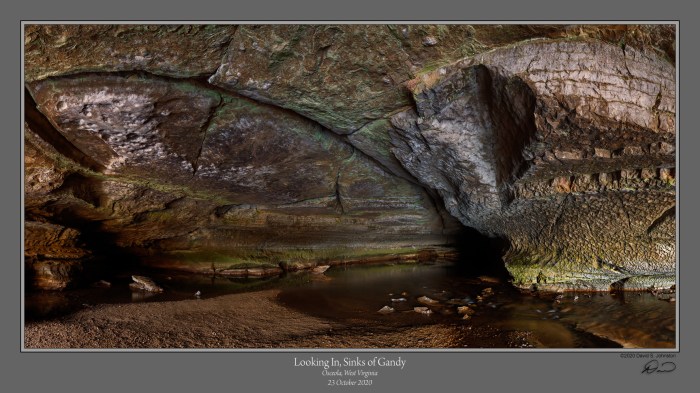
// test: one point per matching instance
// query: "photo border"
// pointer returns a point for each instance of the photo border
(466, 370)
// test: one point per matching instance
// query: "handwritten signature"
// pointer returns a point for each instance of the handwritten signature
(653, 366)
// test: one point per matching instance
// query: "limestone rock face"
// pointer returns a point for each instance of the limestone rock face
(545, 143)
(465, 139)
(342, 76)
(212, 148)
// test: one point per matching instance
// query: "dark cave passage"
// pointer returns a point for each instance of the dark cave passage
(480, 254)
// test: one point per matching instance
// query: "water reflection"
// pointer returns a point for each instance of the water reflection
(634, 320)
(356, 294)
(177, 286)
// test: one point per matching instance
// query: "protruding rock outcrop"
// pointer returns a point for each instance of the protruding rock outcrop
(54, 255)
(566, 148)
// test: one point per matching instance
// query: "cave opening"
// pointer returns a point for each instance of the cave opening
(481, 255)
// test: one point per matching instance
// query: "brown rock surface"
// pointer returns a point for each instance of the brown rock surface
(175, 50)
(189, 177)
(54, 255)
(247, 147)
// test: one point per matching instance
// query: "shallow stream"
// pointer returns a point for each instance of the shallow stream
(355, 294)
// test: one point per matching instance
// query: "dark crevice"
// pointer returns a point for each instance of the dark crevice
(361, 127)
(93, 237)
(655, 109)
(226, 48)
(338, 198)
(555, 222)
(613, 267)
(434, 202)
(624, 209)
(560, 214)
(624, 56)
(205, 129)
(407, 176)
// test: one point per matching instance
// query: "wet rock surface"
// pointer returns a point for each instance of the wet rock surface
(258, 148)
(54, 255)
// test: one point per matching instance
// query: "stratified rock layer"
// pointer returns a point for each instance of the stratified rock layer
(257, 148)
(54, 255)
(563, 147)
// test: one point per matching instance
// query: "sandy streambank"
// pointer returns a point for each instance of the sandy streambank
(241, 320)
(245, 320)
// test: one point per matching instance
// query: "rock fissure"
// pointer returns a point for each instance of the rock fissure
(624, 210)
(338, 198)
(205, 128)
(624, 56)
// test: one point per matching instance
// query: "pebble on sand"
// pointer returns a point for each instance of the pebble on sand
(465, 310)
(386, 310)
(423, 310)
(427, 300)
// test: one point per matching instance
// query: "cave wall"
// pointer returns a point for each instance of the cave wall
(254, 146)
(565, 147)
